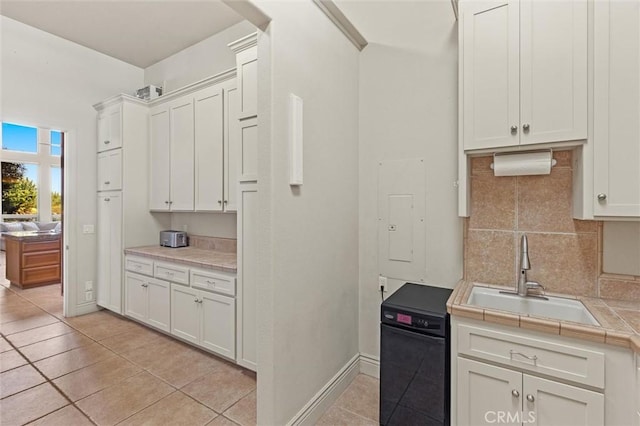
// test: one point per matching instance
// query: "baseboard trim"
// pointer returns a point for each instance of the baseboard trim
(316, 407)
(370, 365)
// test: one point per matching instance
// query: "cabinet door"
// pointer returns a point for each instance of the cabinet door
(110, 170)
(490, 74)
(110, 251)
(485, 391)
(158, 308)
(160, 148)
(231, 148)
(103, 132)
(135, 305)
(218, 324)
(553, 74)
(616, 109)
(208, 124)
(182, 160)
(247, 277)
(552, 403)
(185, 313)
(115, 127)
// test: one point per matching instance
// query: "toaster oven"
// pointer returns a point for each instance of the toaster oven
(173, 239)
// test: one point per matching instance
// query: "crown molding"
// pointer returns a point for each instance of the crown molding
(329, 8)
(244, 43)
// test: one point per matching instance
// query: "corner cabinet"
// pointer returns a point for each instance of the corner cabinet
(192, 168)
(523, 72)
(525, 377)
(616, 139)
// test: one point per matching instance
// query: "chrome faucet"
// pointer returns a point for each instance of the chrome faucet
(524, 286)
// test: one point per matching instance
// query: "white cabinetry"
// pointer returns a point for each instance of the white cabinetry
(147, 300)
(122, 172)
(109, 288)
(530, 378)
(486, 392)
(110, 128)
(192, 141)
(246, 151)
(523, 73)
(616, 139)
(110, 170)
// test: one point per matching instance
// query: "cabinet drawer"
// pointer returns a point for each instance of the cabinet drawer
(171, 272)
(139, 265)
(42, 258)
(41, 275)
(41, 246)
(211, 281)
(554, 359)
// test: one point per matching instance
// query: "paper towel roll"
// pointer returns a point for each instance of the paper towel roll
(523, 164)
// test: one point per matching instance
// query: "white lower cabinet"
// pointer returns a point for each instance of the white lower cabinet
(206, 319)
(147, 300)
(488, 394)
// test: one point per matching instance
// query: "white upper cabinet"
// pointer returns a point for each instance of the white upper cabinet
(160, 149)
(523, 72)
(616, 139)
(110, 128)
(208, 120)
(182, 154)
(110, 170)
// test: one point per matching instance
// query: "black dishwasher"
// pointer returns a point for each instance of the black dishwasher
(414, 357)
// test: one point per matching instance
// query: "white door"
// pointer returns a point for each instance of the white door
(185, 313)
(135, 305)
(159, 302)
(110, 170)
(490, 74)
(182, 160)
(552, 403)
(231, 148)
(247, 337)
(218, 323)
(115, 127)
(485, 392)
(617, 108)
(553, 74)
(160, 149)
(208, 134)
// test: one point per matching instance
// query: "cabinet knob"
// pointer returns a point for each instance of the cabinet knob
(515, 393)
(602, 197)
(145, 285)
(107, 199)
(525, 127)
(219, 201)
(107, 142)
(514, 130)
(166, 202)
(107, 182)
(225, 201)
(530, 398)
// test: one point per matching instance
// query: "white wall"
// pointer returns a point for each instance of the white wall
(408, 109)
(204, 59)
(49, 81)
(308, 237)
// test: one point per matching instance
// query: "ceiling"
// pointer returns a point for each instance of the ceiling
(140, 32)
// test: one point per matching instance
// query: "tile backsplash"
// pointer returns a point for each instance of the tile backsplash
(565, 253)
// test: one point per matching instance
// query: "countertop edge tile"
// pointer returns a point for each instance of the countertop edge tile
(189, 256)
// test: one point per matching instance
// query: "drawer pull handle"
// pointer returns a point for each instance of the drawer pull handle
(530, 398)
(145, 285)
(515, 393)
(210, 282)
(533, 358)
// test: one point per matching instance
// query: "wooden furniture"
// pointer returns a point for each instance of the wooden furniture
(33, 259)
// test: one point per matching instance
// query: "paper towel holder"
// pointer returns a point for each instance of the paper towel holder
(550, 151)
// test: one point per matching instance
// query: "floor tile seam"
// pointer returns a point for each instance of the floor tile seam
(33, 328)
(55, 411)
(239, 399)
(198, 402)
(56, 354)
(24, 390)
(76, 370)
(231, 420)
(43, 340)
(355, 414)
(139, 411)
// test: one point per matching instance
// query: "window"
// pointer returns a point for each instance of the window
(56, 191)
(56, 142)
(19, 191)
(19, 138)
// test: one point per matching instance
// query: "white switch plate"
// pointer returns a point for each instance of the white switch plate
(88, 285)
(88, 296)
(88, 229)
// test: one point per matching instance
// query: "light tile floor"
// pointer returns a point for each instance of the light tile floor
(103, 369)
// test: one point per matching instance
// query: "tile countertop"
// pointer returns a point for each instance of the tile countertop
(191, 256)
(619, 319)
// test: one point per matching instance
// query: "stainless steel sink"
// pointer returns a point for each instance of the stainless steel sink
(551, 307)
